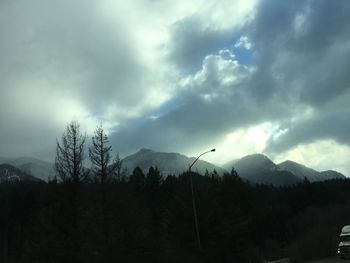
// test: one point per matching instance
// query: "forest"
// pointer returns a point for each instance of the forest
(149, 218)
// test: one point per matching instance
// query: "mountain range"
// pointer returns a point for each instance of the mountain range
(312, 175)
(256, 168)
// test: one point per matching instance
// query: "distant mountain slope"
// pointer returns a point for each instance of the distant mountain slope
(9, 173)
(228, 166)
(300, 170)
(312, 175)
(32, 166)
(251, 163)
(167, 163)
(258, 168)
(330, 174)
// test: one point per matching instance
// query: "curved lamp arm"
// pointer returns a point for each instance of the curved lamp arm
(212, 150)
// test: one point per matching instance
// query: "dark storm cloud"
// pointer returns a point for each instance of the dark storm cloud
(191, 41)
(333, 125)
(306, 61)
(303, 60)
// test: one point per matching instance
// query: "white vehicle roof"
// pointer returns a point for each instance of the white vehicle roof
(345, 230)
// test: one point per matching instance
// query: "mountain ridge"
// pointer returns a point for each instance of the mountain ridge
(10, 174)
(302, 171)
(32, 166)
(167, 162)
(257, 168)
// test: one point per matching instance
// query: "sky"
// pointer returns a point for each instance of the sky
(241, 76)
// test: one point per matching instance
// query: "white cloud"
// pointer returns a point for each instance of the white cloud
(218, 72)
(227, 14)
(243, 42)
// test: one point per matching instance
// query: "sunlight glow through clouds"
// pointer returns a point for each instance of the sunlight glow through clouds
(242, 142)
(320, 155)
(72, 110)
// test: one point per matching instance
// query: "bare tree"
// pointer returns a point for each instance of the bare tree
(70, 154)
(104, 166)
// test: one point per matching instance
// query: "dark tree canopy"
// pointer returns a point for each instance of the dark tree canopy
(148, 219)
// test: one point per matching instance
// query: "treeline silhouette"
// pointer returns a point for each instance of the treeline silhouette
(149, 218)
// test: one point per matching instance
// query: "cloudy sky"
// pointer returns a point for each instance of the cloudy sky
(181, 76)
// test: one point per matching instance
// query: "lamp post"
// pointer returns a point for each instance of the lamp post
(193, 199)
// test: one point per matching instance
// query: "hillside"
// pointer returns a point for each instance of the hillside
(302, 171)
(258, 168)
(11, 174)
(167, 163)
(32, 166)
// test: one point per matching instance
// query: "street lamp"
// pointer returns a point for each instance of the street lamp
(193, 199)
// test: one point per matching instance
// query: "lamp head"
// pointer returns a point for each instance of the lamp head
(213, 150)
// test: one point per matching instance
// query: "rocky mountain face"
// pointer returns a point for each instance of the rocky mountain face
(31, 166)
(11, 174)
(167, 163)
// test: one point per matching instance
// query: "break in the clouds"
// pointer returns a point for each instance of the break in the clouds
(243, 76)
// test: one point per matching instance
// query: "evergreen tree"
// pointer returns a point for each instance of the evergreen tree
(137, 179)
(153, 180)
(153, 185)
